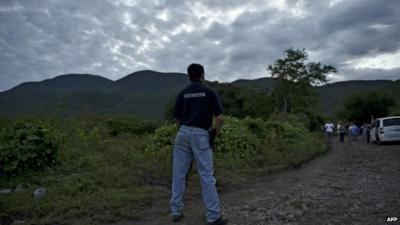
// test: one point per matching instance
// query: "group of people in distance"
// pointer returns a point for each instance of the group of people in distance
(351, 129)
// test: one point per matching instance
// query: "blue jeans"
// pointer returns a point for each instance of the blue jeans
(192, 143)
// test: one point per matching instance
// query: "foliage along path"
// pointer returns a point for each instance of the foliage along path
(355, 183)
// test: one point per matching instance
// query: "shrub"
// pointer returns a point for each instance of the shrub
(235, 140)
(27, 146)
(256, 126)
(162, 141)
(289, 144)
(135, 126)
(232, 148)
(289, 132)
(243, 145)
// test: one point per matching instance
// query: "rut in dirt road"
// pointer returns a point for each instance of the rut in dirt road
(353, 184)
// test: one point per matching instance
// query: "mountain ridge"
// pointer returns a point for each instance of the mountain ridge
(143, 93)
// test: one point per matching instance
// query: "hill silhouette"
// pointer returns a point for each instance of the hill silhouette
(332, 95)
(150, 81)
(264, 84)
(142, 93)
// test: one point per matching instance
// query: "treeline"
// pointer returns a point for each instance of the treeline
(292, 93)
(364, 107)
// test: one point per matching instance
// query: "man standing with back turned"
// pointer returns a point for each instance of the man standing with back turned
(195, 107)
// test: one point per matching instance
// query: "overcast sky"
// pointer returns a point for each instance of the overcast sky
(232, 38)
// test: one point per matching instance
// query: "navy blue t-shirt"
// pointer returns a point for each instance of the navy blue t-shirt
(196, 105)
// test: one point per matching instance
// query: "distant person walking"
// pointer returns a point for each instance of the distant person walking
(354, 133)
(363, 131)
(329, 127)
(195, 107)
(341, 129)
(368, 132)
(349, 132)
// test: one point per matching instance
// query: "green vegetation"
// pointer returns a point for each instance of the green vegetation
(113, 169)
(245, 146)
(27, 146)
(95, 178)
(243, 102)
(364, 107)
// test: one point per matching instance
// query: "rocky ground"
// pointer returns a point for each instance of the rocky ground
(355, 183)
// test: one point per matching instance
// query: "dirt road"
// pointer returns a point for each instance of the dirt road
(353, 184)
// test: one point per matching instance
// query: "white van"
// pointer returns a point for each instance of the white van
(386, 129)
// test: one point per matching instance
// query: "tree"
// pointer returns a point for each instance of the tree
(242, 102)
(295, 78)
(365, 107)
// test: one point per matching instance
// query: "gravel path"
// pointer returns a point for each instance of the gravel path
(353, 184)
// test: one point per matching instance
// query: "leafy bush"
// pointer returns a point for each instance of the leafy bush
(278, 130)
(243, 147)
(256, 126)
(283, 141)
(235, 140)
(162, 141)
(27, 146)
(239, 139)
(289, 144)
(232, 148)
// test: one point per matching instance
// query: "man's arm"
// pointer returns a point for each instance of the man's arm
(178, 108)
(217, 111)
(215, 131)
(219, 120)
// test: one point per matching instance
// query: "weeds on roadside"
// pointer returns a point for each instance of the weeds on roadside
(107, 168)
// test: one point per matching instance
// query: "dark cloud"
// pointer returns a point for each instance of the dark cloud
(232, 38)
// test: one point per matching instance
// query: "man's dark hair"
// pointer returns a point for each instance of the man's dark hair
(195, 71)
